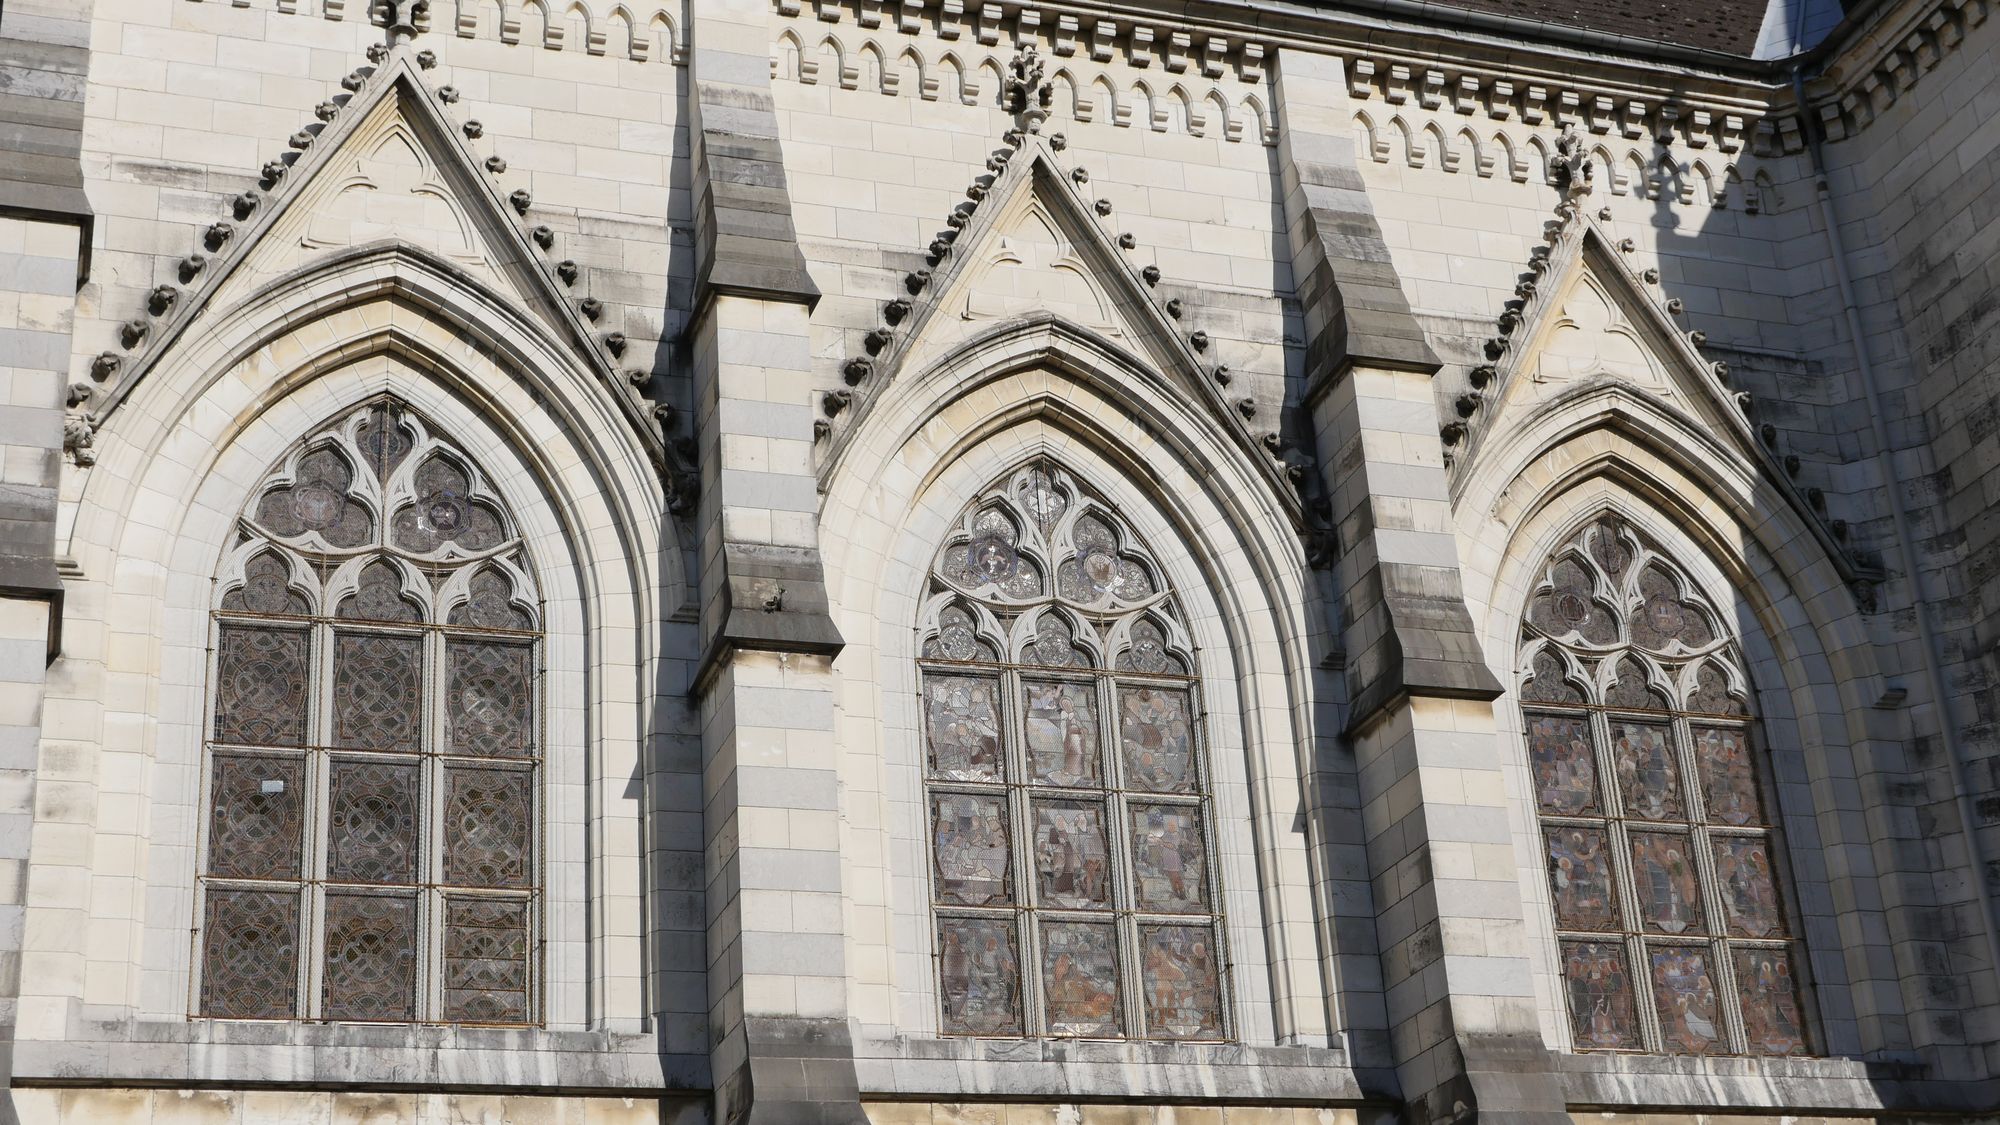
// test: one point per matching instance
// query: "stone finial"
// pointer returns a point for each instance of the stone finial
(1024, 92)
(1570, 167)
(401, 16)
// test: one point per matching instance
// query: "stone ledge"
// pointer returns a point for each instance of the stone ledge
(1047, 1069)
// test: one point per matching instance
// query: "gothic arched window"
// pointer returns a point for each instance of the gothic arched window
(1657, 830)
(375, 741)
(1072, 880)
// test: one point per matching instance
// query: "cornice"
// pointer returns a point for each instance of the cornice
(1865, 69)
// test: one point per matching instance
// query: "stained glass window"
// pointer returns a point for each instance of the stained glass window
(1660, 846)
(1069, 813)
(374, 758)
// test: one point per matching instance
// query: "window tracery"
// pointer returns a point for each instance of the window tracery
(1072, 884)
(374, 753)
(1662, 855)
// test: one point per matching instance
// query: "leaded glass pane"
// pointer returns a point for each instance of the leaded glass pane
(1054, 645)
(1148, 653)
(318, 501)
(1663, 873)
(1663, 617)
(489, 698)
(1749, 893)
(1564, 765)
(256, 816)
(1169, 863)
(963, 726)
(379, 596)
(979, 975)
(265, 588)
(372, 822)
(1072, 859)
(377, 691)
(260, 683)
(1631, 689)
(1571, 607)
(971, 848)
(384, 441)
(1080, 978)
(1773, 1022)
(490, 604)
(489, 826)
(1580, 878)
(371, 957)
(1648, 779)
(1156, 737)
(1729, 782)
(1601, 1010)
(249, 967)
(1684, 994)
(1711, 693)
(444, 513)
(485, 960)
(1549, 684)
(1062, 732)
(1180, 981)
(958, 638)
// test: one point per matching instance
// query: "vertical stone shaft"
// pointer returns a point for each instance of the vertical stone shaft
(777, 972)
(1460, 997)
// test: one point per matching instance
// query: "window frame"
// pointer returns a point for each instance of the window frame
(320, 751)
(1021, 794)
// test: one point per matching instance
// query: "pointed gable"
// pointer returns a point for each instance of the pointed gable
(1031, 251)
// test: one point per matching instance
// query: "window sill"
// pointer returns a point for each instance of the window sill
(951, 1069)
(1662, 1082)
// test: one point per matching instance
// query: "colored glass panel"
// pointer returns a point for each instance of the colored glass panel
(1169, 862)
(1648, 780)
(1580, 879)
(377, 687)
(1684, 994)
(488, 827)
(485, 960)
(1729, 781)
(260, 686)
(1080, 979)
(1749, 892)
(256, 816)
(1180, 981)
(1773, 1022)
(979, 974)
(250, 955)
(1663, 875)
(1156, 738)
(1602, 1013)
(371, 957)
(1061, 732)
(489, 698)
(372, 822)
(1072, 860)
(963, 724)
(1564, 765)
(971, 838)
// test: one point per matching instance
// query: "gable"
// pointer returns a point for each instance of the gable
(1029, 250)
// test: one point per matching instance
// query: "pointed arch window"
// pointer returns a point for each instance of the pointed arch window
(1658, 835)
(1072, 877)
(373, 762)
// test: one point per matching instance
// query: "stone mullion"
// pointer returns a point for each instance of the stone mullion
(1027, 889)
(316, 805)
(1618, 836)
(1728, 1002)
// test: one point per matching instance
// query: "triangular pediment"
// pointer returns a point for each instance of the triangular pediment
(1033, 249)
(1588, 325)
(389, 172)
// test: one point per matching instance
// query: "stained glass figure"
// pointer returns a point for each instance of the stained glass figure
(1663, 872)
(1580, 877)
(320, 842)
(979, 976)
(1564, 765)
(1729, 782)
(1648, 777)
(485, 960)
(1169, 867)
(1061, 732)
(1072, 858)
(1156, 739)
(1684, 993)
(963, 727)
(971, 849)
(1772, 1020)
(1080, 978)
(1749, 893)
(1109, 805)
(1664, 869)
(1601, 1010)
(371, 957)
(1183, 991)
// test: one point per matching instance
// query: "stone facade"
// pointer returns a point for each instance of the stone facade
(1355, 315)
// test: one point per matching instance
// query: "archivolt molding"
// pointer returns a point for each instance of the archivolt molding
(639, 31)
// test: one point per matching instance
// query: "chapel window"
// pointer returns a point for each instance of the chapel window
(374, 754)
(1072, 880)
(1659, 837)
